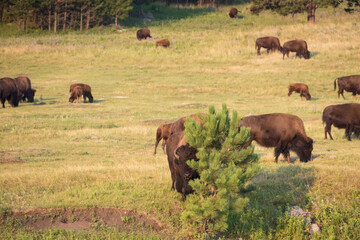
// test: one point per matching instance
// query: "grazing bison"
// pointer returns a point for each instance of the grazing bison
(233, 12)
(301, 88)
(24, 86)
(143, 33)
(349, 84)
(342, 116)
(163, 43)
(9, 91)
(298, 46)
(270, 43)
(86, 91)
(162, 132)
(283, 131)
(178, 152)
(76, 94)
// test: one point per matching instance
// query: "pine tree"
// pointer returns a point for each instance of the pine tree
(224, 167)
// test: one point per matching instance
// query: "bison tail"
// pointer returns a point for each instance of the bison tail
(335, 84)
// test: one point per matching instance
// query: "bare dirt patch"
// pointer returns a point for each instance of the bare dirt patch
(81, 219)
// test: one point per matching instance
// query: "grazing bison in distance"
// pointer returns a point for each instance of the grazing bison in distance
(233, 12)
(270, 43)
(9, 91)
(298, 46)
(283, 131)
(178, 152)
(143, 33)
(342, 116)
(86, 91)
(162, 132)
(76, 94)
(163, 43)
(301, 88)
(349, 84)
(24, 86)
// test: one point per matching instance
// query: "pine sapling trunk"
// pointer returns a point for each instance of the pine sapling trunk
(49, 20)
(65, 16)
(88, 19)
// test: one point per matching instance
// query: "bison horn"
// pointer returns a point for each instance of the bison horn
(175, 154)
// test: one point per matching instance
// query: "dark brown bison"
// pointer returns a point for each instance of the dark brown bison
(9, 91)
(86, 91)
(179, 125)
(342, 116)
(349, 84)
(233, 12)
(24, 86)
(143, 33)
(270, 43)
(178, 152)
(283, 131)
(301, 88)
(298, 46)
(76, 94)
(163, 43)
(162, 132)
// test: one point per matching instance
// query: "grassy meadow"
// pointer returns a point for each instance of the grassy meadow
(54, 154)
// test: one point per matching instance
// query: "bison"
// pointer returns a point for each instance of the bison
(76, 94)
(342, 116)
(179, 125)
(270, 43)
(24, 86)
(9, 91)
(233, 12)
(283, 131)
(298, 46)
(301, 88)
(143, 33)
(178, 152)
(349, 84)
(86, 90)
(162, 132)
(163, 43)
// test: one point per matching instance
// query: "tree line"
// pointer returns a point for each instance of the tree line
(63, 14)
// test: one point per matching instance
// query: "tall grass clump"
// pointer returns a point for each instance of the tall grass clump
(224, 168)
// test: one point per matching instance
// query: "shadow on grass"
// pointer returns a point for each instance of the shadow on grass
(98, 100)
(275, 191)
(313, 54)
(162, 13)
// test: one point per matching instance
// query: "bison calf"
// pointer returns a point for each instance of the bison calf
(162, 132)
(163, 43)
(76, 93)
(298, 46)
(143, 33)
(301, 88)
(233, 12)
(269, 43)
(342, 116)
(86, 90)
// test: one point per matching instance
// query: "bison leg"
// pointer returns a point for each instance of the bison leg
(348, 131)
(258, 50)
(328, 130)
(341, 91)
(3, 102)
(277, 153)
(163, 145)
(268, 50)
(286, 154)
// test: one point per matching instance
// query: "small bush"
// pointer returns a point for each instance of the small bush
(224, 168)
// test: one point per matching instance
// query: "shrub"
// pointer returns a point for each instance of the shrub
(224, 167)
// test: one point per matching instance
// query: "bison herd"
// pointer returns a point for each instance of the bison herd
(283, 132)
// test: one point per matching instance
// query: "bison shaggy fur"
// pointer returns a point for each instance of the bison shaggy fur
(86, 91)
(24, 86)
(9, 91)
(233, 12)
(349, 84)
(163, 43)
(298, 46)
(269, 43)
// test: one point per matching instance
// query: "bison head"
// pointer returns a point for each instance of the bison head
(31, 95)
(307, 96)
(303, 148)
(306, 54)
(184, 153)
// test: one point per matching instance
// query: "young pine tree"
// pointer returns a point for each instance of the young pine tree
(224, 167)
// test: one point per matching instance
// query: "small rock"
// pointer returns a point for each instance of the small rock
(314, 228)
